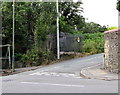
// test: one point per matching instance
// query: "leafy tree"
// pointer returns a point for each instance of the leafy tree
(7, 23)
(33, 21)
(71, 18)
(118, 5)
(46, 23)
(26, 14)
(91, 27)
(33, 16)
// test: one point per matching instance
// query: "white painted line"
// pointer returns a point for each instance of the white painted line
(37, 73)
(93, 66)
(88, 59)
(78, 77)
(54, 74)
(57, 67)
(71, 74)
(64, 85)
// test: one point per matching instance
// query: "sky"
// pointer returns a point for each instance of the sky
(102, 12)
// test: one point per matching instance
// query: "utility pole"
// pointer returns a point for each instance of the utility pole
(13, 44)
(58, 43)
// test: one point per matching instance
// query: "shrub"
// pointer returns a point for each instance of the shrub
(18, 56)
(37, 56)
(113, 27)
(93, 43)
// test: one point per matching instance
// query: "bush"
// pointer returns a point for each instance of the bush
(37, 57)
(113, 27)
(93, 43)
(18, 56)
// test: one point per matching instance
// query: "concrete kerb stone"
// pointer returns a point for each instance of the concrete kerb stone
(18, 70)
(98, 73)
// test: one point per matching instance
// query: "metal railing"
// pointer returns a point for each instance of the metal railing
(8, 54)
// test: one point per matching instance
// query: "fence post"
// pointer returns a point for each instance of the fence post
(9, 57)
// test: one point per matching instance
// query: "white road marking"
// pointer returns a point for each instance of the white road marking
(54, 74)
(64, 85)
(88, 59)
(43, 72)
(93, 66)
(57, 67)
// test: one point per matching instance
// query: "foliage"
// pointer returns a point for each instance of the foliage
(118, 5)
(26, 14)
(7, 27)
(37, 57)
(92, 27)
(45, 24)
(64, 26)
(113, 27)
(35, 20)
(70, 16)
(93, 43)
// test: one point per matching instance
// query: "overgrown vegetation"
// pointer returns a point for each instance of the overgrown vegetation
(93, 43)
(34, 21)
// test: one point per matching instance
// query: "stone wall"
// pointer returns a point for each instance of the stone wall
(112, 50)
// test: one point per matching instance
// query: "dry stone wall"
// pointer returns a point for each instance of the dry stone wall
(112, 50)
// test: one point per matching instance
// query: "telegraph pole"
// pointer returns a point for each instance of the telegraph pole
(13, 44)
(58, 43)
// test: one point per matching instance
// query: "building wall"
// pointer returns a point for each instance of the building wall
(112, 50)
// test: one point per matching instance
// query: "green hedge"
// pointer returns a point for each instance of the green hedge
(93, 43)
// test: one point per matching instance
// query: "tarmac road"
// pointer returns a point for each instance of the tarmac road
(62, 77)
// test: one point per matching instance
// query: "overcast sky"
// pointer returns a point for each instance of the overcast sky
(101, 11)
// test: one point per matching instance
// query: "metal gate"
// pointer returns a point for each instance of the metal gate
(71, 43)
(68, 43)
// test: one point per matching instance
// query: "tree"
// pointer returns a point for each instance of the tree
(71, 19)
(118, 5)
(92, 27)
(33, 22)
(26, 14)
(46, 23)
(31, 17)
(7, 27)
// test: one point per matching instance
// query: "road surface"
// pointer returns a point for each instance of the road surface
(62, 77)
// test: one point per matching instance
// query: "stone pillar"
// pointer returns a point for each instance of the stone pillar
(112, 50)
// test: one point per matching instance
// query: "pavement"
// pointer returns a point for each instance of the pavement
(98, 72)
